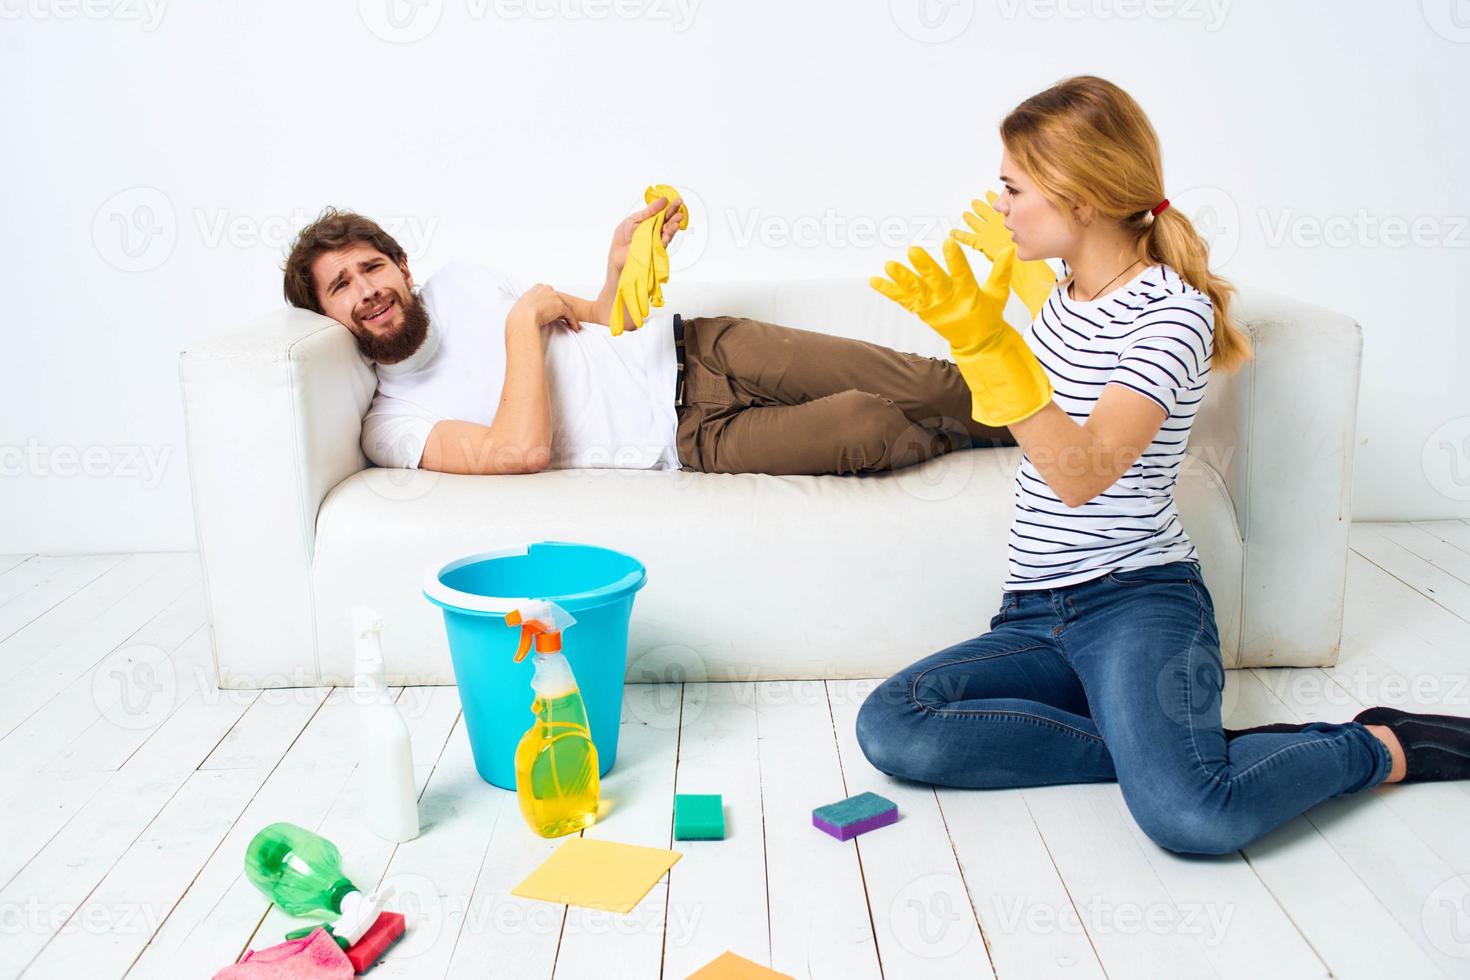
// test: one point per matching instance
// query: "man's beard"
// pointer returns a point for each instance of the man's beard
(402, 342)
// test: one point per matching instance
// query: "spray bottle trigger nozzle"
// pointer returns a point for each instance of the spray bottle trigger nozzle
(543, 625)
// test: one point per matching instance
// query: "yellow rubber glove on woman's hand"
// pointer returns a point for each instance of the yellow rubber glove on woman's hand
(1032, 281)
(1007, 382)
(647, 267)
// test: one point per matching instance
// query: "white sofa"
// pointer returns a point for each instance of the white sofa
(749, 576)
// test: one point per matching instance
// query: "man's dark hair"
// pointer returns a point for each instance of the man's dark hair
(331, 230)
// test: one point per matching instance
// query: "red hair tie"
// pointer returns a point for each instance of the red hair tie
(1159, 208)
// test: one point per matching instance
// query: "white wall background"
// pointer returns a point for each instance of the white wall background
(159, 155)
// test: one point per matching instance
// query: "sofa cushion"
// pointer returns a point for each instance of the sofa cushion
(749, 575)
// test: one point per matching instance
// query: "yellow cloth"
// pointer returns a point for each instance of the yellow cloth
(647, 268)
(1007, 382)
(597, 874)
(1031, 280)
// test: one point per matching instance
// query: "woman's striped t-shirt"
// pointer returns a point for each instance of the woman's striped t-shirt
(1155, 336)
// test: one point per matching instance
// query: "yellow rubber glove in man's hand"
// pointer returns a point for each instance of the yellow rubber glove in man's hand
(1033, 280)
(1007, 382)
(647, 267)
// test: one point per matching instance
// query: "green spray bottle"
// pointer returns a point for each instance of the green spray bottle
(302, 873)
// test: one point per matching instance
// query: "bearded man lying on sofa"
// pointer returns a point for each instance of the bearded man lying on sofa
(478, 374)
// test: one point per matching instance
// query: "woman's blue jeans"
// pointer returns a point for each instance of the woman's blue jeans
(1118, 678)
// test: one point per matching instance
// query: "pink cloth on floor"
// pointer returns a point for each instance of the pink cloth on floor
(312, 957)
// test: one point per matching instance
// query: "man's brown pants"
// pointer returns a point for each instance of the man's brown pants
(762, 398)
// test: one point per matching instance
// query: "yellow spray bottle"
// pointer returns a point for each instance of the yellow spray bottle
(556, 762)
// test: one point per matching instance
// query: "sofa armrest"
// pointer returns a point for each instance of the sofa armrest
(273, 420)
(1281, 432)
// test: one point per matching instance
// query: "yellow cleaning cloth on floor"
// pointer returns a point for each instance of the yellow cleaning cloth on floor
(598, 874)
(728, 966)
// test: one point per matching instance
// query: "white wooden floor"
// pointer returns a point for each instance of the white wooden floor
(132, 787)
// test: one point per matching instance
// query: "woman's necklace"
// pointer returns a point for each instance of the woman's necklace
(1109, 282)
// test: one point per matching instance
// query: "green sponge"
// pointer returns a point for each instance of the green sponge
(699, 817)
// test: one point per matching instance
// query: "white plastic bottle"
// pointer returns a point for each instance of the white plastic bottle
(389, 798)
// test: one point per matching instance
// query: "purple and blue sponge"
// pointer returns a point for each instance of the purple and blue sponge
(855, 815)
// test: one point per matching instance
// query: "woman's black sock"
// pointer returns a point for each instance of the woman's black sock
(1436, 747)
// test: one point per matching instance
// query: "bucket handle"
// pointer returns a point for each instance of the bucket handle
(437, 592)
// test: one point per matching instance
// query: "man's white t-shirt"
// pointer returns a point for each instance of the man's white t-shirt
(612, 398)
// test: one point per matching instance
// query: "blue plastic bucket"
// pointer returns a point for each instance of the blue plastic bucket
(595, 585)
